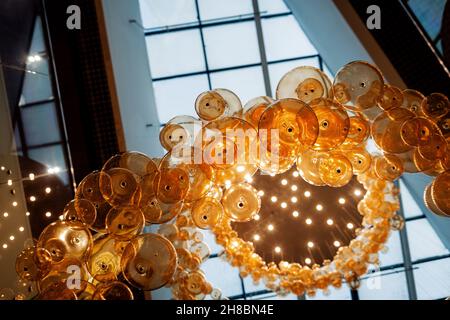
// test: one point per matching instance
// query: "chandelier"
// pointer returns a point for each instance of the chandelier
(288, 186)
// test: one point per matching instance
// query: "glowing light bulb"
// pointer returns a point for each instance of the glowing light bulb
(330, 222)
(61, 217)
(284, 182)
(277, 249)
(256, 237)
(310, 244)
(5, 246)
(257, 217)
(248, 178)
(32, 198)
(260, 193)
(295, 174)
(319, 207)
(295, 214)
(21, 229)
(357, 192)
(337, 244)
(48, 214)
(273, 199)
(308, 221)
(48, 190)
(294, 187)
(240, 169)
(294, 199)
(31, 176)
(350, 225)
(11, 238)
(27, 213)
(308, 261)
(307, 194)
(9, 182)
(341, 200)
(2, 168)
(14, 204)
(284, 205)
(6, 214)
(270, 227)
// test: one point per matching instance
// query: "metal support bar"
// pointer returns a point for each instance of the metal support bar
(244, 294)
(262, 48)
(354, 294)
(406, 253)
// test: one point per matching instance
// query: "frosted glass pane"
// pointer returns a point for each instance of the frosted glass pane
(394, 254)
(390, 285)
(272, 7)
(40, 124)
(371, 147)
(283, 38)
(177, 96)
(38, 42)
(213, 9)
(432, 279)
(210, 239)
(37, 86)
(175, 53)
(429, 13)
(222, 275)
(278, 70)
(410, 206)
(162, 294)
(423, 241)
(157, 13)
(231, 45)
(51, 157)
(246, 83)
(343, 293)
(251, 287)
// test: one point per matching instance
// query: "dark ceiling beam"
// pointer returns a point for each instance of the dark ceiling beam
(406, 47)
(85, 93)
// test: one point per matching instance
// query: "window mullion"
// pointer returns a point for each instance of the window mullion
(262, 48)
